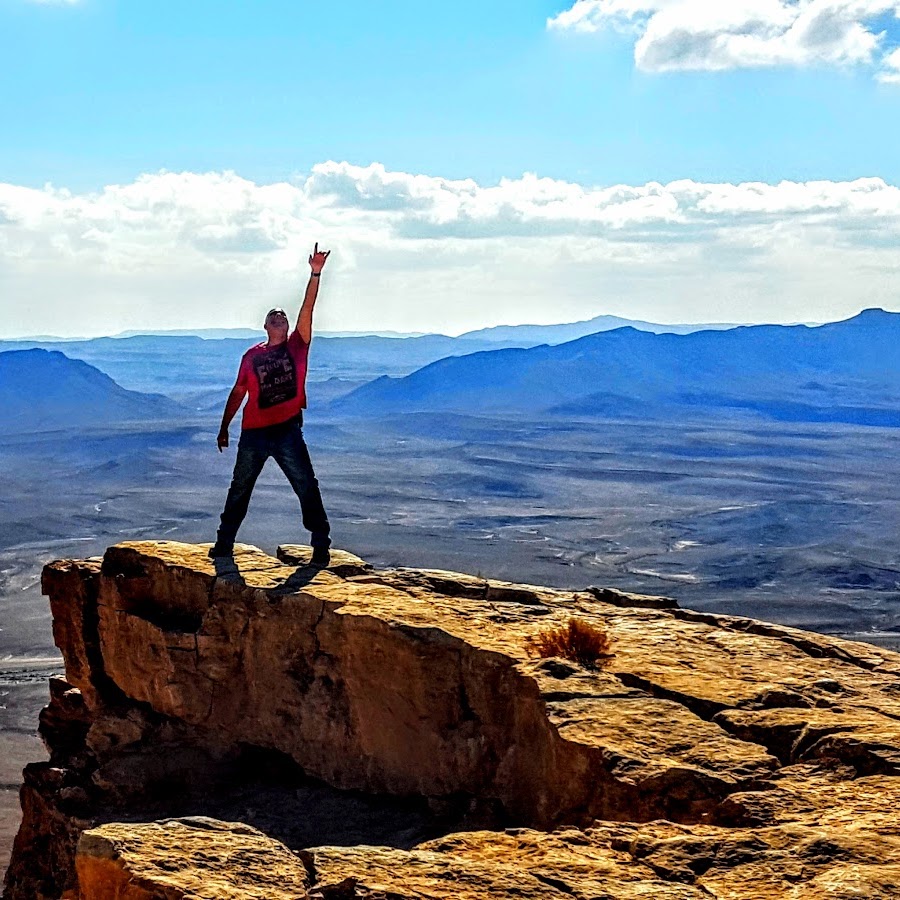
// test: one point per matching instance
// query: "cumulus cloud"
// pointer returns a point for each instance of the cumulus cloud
(890, 72)
(542, 207)
(417, 252)
(702, 35)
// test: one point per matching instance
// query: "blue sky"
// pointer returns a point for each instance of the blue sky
(98, 93)
(102, 90)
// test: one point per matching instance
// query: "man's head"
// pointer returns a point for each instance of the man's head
(276, 325)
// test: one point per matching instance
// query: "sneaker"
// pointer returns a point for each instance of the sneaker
(321, 556)
(217, 552)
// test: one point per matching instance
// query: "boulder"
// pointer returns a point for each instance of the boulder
(353, 705)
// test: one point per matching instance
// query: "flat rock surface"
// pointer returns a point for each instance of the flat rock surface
(186, 859)
(427, 683)
(208, 859)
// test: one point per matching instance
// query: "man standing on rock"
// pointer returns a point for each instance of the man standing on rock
(272, 376)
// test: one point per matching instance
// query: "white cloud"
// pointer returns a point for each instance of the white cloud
(729, 34)
(890, 72)
(416, 252)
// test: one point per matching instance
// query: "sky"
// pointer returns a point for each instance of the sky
(170, 165)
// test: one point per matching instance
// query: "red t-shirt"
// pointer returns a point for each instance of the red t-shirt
(275, 380)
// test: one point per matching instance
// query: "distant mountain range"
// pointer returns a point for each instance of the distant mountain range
(185, 365)
(44, 390)
(512, 335)
(533, 335)
(181, 366)
(212, 334)
(846, 371)
(508, 335)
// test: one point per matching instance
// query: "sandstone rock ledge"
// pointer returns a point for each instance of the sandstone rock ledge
(712, 757)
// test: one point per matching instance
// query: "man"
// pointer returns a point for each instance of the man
(272, 376)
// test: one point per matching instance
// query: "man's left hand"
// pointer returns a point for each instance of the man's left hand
(317, 259)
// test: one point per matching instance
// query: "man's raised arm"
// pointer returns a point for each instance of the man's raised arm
(304, 320)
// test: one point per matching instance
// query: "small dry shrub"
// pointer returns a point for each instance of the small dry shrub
(579, 641)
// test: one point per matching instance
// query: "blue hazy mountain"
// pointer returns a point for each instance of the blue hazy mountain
(190, 365)
(242, 333)
(205, 333)
(44, 390)
(183, 365)
(532, 335)
(845, 371)
(172, 365)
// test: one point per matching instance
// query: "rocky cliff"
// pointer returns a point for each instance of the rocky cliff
(262, 728)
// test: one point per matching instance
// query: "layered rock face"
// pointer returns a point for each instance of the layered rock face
(217, 722)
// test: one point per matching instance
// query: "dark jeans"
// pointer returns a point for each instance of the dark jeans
(285, 444)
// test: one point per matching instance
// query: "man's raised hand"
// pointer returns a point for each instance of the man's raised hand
(317, 259)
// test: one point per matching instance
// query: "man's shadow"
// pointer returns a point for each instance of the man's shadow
(228, 570)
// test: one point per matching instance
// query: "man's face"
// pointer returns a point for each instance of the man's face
(276, 321)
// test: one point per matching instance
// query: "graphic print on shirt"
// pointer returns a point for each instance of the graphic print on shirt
(276, 375)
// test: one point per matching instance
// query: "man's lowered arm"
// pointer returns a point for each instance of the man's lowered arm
(304, 320)
(232, 405)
